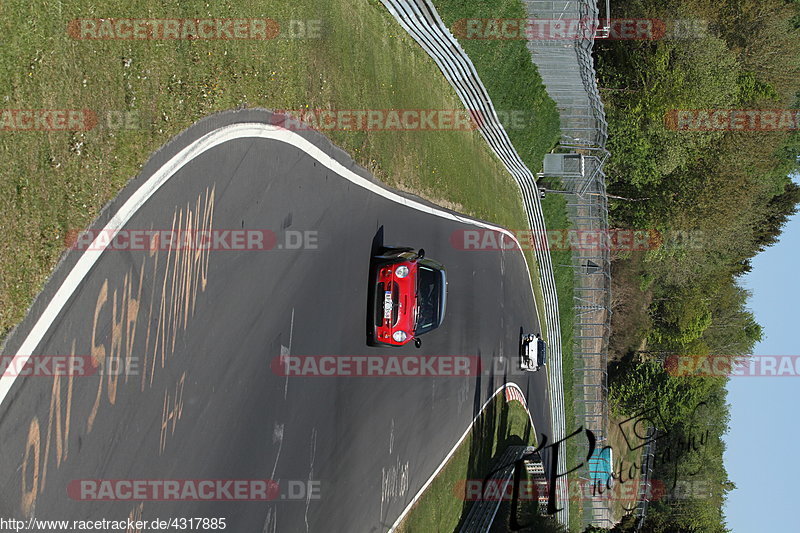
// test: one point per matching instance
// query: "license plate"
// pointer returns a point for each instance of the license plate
(387, 304)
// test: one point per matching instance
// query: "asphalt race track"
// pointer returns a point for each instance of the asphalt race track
(199, 333)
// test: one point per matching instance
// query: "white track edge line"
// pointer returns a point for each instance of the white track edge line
(210, 140)
(424, 487)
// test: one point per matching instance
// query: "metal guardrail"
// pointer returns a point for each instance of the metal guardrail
(495, 489)
(421, 20)
(643, 496)
(567, 70)
(481, 514)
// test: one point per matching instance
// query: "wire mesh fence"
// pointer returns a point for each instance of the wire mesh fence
(567, 70)
(421, 20)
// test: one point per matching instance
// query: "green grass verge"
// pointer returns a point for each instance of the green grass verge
(516, 89)
(54, 182)
(554, 207)
(513, 83)
(442, 505)
(510, 77)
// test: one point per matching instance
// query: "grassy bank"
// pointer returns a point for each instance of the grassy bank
(442, 505)
(52, 182)
(510, 77)
(513, 83)
(555, 214)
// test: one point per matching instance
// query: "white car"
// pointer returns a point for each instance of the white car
(532, 352)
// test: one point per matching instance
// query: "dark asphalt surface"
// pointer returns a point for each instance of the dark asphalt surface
(203, 402)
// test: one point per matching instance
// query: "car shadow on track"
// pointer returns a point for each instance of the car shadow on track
(375, 249)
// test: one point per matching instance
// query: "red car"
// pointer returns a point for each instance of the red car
(407, 298)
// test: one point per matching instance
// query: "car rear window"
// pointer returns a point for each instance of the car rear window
(429, 287)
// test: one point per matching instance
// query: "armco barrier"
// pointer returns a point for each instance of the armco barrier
(567, 70)
(421, 20)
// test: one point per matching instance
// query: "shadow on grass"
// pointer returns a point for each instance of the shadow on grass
(493, 426)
